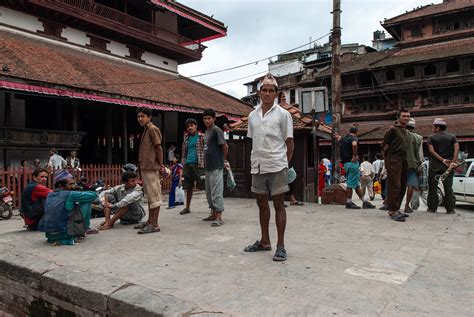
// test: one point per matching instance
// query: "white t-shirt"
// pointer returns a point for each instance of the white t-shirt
(269, 134)
(366, 168)
(376, 165)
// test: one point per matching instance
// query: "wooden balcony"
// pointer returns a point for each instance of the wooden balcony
(16, 138)
(112, 21)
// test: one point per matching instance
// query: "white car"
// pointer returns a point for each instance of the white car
(463, 182)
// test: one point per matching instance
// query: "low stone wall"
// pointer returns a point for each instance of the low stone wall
(32, 286)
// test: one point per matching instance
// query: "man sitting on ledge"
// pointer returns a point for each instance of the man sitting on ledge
(124, 201)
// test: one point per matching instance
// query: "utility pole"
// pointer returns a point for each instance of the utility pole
(336, 87)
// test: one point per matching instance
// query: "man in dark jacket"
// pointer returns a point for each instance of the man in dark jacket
(394, 150)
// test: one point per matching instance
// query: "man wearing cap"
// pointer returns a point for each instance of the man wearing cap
(414, 160)
(394, 150)
(271, 129)
(58, 207)
(444, 150)
(349, 147)
(193, 163)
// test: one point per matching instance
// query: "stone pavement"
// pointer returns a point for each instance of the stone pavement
(341, 262)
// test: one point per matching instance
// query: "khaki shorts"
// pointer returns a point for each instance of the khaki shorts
(271, 183)
(152, 187)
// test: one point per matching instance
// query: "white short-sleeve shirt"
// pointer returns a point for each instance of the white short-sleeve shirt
(269, 134)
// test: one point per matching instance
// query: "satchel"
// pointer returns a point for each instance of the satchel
(75, 223)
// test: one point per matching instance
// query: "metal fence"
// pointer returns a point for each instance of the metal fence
(15, 179)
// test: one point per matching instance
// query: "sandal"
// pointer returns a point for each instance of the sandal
(398, 217)
(217, 223)
(257, 246)
(280, 255)
(296, 203)
(148, 229)
(185, 211)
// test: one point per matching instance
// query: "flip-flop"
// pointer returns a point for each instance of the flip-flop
(257, 247)
(217, 223)
(92, 231)
(280, 255)
(148, 229)
(185, 211)
(102, 228)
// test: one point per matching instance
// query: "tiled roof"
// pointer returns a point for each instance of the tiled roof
(459, 125)
(300, 122)
(44, 63)
(398, 56)
(431, 9)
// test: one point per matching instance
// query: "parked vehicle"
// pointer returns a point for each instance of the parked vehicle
(6, 203)
(463, 183)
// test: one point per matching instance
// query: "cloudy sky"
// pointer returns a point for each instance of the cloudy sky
(258, 29)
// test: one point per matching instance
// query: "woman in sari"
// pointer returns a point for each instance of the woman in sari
(176, 175)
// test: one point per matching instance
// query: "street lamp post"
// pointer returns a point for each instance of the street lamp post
(336, 88)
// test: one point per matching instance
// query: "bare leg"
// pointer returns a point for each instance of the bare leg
(409, 197)
(359, 193)
(189, 196)
(154, 213)
(106, 215)
(280, 219)
(110, 222)
(349, 193)
(264, 211)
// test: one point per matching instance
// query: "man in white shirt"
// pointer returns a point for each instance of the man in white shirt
(56, 161)
(367, 177)
(271, 129)
(377, 165)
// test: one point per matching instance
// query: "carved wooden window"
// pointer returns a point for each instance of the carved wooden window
(452, 67)
(292, 97)
(52, 28)
(472, 64)
(136, 53)
(97, 43)
(416, 31)
(430, 70)
(390, 75)
(409, 72)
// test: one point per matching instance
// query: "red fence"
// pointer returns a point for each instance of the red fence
(15, 179)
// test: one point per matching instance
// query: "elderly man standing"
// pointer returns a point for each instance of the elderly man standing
(414, 160)
(444, 150)
(271, 129)
(395, 147)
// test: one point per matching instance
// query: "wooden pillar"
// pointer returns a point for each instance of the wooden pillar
(75, 116)
(124, 136)
(163, 134)
(109, 134)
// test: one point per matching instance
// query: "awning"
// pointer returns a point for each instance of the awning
(220, 32)
(77, 95)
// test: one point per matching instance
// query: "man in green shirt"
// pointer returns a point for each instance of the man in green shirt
(414, 160)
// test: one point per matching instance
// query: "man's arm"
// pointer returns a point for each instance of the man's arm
(355, 157)
(456, 152)
(290, 146)
(437, 156)
(159, 154)
(225, 150)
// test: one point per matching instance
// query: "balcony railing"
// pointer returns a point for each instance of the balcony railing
(113, 15)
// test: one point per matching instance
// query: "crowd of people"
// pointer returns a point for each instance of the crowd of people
(63, 214)
(400, 166)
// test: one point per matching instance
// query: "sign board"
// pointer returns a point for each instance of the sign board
(314, 100)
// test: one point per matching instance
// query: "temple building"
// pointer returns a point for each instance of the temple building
(72, 73)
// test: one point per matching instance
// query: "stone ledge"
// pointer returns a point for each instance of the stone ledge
(83, 293)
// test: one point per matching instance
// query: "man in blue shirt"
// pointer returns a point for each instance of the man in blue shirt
(193, 161)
